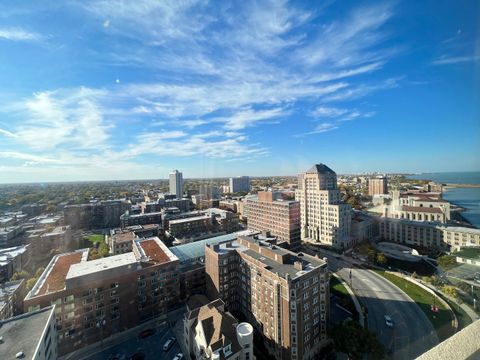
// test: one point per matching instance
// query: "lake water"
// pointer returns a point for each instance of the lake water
(467, 198)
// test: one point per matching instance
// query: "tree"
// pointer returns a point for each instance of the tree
(450, 291)
(426, 279)
(30, 284)
(414, 275)
(371, 255)
(20, 275)
(355, 341)
(446, 262)
(381, 259)
(103, 250)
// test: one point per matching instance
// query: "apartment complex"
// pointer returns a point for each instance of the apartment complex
(283, 294)
(239, 184)
(120, 241)
(324, 219)
(211, 332)
(176, 183)
(11, 298)
(268, 212)
(418, 206)
(31, 336)
(12, 260)
(128, 219)
(377, 186)
(100, 215)
(428, 234)
(97, 298)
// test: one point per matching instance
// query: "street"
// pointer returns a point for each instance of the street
(412, 333)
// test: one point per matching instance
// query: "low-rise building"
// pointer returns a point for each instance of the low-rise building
(58, 238)
(211, 332)
(128, 219)
(9, 236)
(97, 298)
(120, 241)
(13, 260)
(11, 298)
(469, 256)
(31, 336)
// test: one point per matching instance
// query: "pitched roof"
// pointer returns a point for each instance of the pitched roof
(320, 169)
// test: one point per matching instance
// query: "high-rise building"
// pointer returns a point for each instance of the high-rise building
(324, 219)
(269, 212)
(239, 184)
(176, 183)
(377, 186)
(284, 295)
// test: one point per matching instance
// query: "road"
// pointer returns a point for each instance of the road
(412, 333)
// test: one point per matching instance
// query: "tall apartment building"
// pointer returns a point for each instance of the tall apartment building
(284, 295)
(176, 183)
(97, 298)
(31, 336)
(268, 212)
(104, 214)
(377, 186)
(324, 219)
(239, 184)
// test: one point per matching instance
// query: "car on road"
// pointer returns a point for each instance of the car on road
(179, 356)
(168, 344)
(388, 321)
(146, 333)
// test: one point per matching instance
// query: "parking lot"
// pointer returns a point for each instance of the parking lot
(138, 348)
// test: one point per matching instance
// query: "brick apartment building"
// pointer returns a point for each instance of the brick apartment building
(284, 295)
(97, 298)
(268, 212)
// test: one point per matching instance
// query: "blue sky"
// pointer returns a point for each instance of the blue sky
(97, 90)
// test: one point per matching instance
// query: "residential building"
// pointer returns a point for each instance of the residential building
(230, 205)
(13, 260)
(128, 219)
(284, 295)
(31, 336)
(99, 215)
(269, 212)
(10, 236)
(183, 204)
(33, 209)
(324, 218)
(239, 184)
(363, 227)
(58, 238)
(176, 183)
(144, 231)
(97, 298)
(11, 298)
(120, 241)
(211, 332)
(209, 191)
(377, 186)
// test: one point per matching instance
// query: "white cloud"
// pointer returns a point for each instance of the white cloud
(17, 34)
(8, 133)
(448, 60)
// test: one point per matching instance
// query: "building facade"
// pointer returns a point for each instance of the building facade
(377, 186)
(176, 183)
(268, 212)
(100, 215)
(324, 219)
(11, 298)
(239, 184)
(283, 294)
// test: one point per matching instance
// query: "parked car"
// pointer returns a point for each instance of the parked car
(146, 333)
(168, 344)
(179, 356)
(388, 321)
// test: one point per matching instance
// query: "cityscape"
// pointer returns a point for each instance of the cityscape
(239, 180)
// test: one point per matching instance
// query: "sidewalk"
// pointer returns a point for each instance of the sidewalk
(361, 317)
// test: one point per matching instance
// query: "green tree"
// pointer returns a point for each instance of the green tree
(20, 275)
(381, 259)
(446, 262)
(426, 279)
(450, 290)
(30, 284)
(355, 341)
(103, 250)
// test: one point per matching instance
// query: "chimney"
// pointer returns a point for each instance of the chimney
(298, 265)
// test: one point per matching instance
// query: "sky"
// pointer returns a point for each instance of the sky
(105, 90)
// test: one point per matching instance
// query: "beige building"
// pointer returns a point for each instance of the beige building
(324, 219)
(284, 295)
(377, 186)
(211, 332)
(269, 212)
(120, 241)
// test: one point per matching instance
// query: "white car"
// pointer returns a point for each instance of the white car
(388, 321)
(179, 356)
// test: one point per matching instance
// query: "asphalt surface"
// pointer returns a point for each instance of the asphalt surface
(412, 333)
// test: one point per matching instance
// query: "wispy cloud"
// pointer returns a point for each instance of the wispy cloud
(8, 133)
(448, 60)
(18, 34)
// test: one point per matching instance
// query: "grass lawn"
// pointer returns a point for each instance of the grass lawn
(442, 321)
(337, 287)
(95, 238)
(344, 298)
(463, 319)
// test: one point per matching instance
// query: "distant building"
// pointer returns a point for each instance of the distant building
(13, 260)
(209, 191)
(211, 332)
(324, 219)
(377, 186)
(183, 204)
(283, 294)
(104, 214)
(33, 209)
(176, 183)
(127, 219)
(230, 205)
(11, 298)
(9, 236)
(58, 238)
(31, 336)
(434, 187)
(269, 212)
(98, 298)
(239, 184)
(470, 255)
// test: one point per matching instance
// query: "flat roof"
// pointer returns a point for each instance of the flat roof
(8, 289)
(155, 250)
(422, 209)
(468, 253)
(189, 219)
(23, 332)
(124, 236)
(102, 264)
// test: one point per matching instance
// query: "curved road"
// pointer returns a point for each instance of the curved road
(412, 333)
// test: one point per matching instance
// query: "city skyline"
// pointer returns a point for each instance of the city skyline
(119, 91)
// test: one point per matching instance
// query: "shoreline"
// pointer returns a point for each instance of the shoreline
(467, 186)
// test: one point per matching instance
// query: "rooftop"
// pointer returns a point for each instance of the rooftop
(95, 266)
(434, 210)
(468, 253)
(8, 289)
(320, 169)
(155, 250)
(23, 332)
(6, 255)
(123, 237)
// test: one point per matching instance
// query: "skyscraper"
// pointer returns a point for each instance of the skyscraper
(176, 183)
(377, 186)
(240, 184)
(324, 219)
